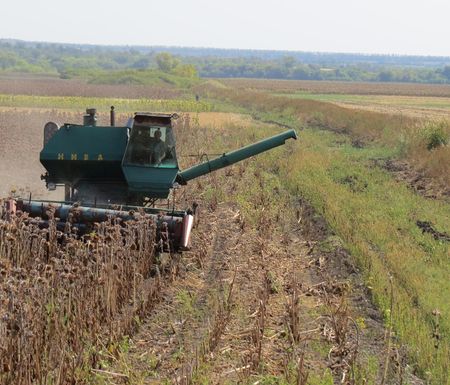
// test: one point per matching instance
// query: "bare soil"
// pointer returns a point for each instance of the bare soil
(416, 180)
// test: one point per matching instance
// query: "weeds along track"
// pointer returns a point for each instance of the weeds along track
(63, 299)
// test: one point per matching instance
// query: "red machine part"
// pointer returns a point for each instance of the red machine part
(188, 224)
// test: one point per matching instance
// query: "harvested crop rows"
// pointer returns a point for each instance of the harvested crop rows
(339, 87)
(60, 295)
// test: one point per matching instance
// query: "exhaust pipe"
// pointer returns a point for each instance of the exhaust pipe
(112, 117)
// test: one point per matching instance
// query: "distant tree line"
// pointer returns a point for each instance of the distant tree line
(289, 68)
(89, 61)
(68, 61)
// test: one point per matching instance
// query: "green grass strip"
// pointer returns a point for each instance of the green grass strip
(103, 104)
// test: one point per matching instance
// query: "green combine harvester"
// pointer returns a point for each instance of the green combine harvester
(122, 172)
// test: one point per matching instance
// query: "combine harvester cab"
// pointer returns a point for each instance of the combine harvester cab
(150, 162)
(121, 172)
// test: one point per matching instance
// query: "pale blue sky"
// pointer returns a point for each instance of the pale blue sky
(366, 26)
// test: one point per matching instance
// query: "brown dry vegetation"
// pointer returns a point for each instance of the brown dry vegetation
(62, 298)
(423, 113)
(339, 87)
(60, 87)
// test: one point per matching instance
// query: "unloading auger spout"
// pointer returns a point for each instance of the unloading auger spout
(235, 156)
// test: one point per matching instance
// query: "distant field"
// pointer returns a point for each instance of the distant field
(46, 86)
(406, 123)
(429, 101)
(418, 106)
(329, 87)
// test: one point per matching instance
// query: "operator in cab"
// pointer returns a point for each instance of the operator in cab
(147, 148)
(158, 149)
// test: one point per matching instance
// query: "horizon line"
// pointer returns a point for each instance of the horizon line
(224, 49)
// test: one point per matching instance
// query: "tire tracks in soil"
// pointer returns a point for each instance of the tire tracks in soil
(172, 340)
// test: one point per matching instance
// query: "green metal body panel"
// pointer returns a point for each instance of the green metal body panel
(156, 179)
(235, 156)
(77, 152)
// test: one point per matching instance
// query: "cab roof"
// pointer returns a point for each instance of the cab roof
(154, 118)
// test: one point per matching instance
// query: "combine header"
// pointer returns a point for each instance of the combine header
(121, 172)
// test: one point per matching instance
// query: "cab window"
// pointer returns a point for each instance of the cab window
(150, 146)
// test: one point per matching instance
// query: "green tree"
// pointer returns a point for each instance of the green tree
(166, 62)
(186, 71)
(141, 63)
(385, 76)
(289, 61)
